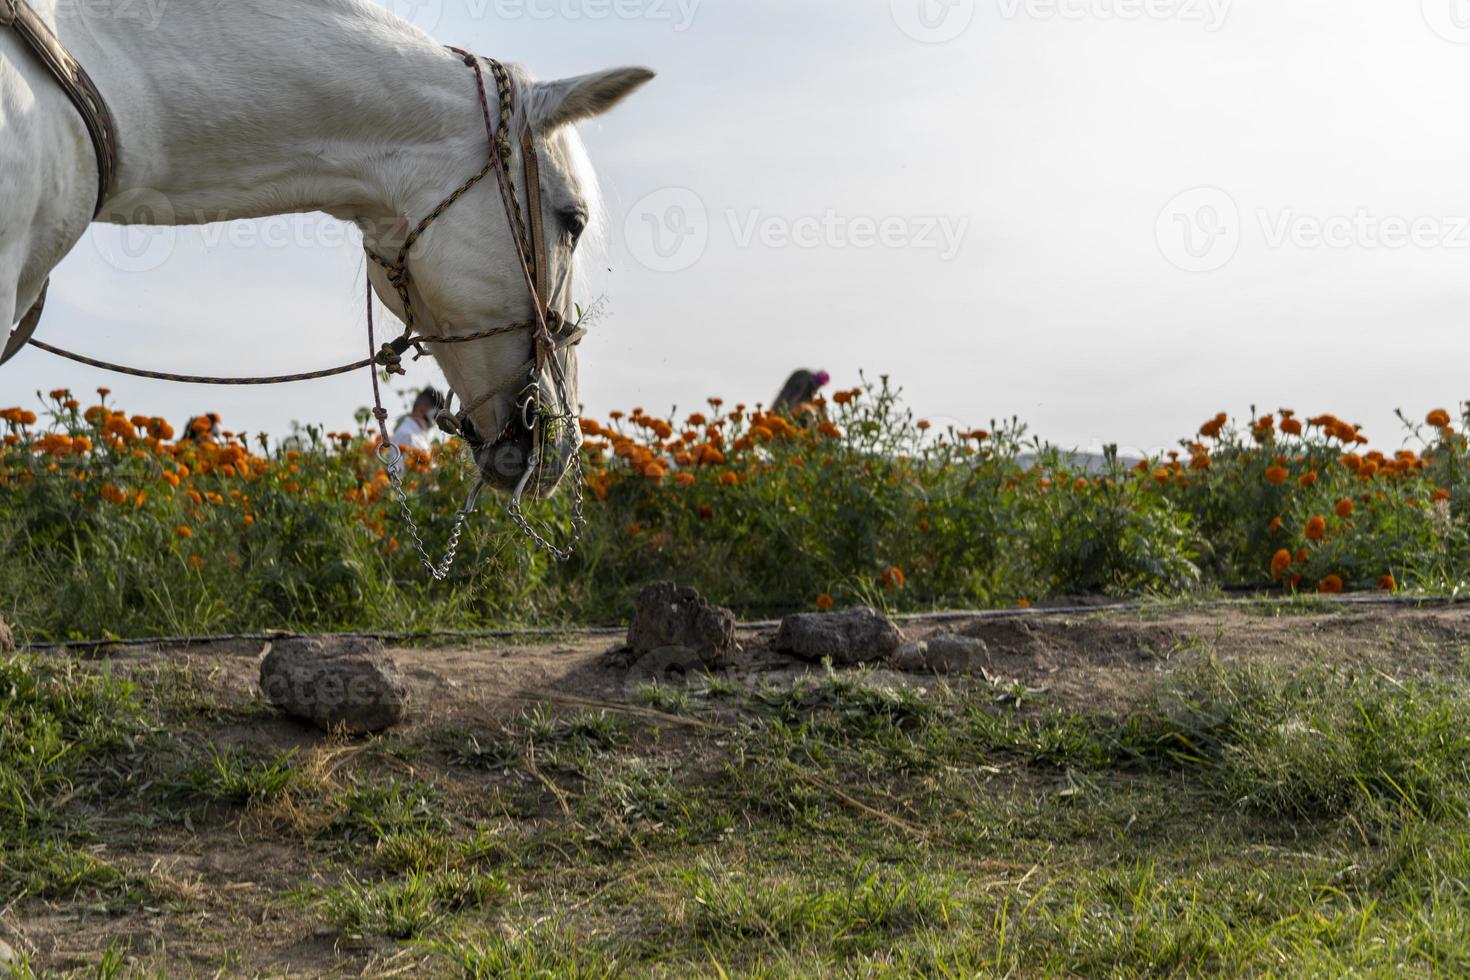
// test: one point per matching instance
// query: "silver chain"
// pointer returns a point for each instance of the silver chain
(391, 458)
(574, 470)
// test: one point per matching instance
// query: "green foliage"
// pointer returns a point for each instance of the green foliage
(110, 528)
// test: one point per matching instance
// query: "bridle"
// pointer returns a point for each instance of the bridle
(550, 332)
(534, 417)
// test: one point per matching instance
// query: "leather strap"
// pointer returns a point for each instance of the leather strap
(77, 84)
(531, 163)
(27, 328)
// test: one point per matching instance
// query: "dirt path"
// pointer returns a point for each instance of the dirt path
(1101, 659)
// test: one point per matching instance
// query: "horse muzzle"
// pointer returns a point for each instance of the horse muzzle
(532, 454)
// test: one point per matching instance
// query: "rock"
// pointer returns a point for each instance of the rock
(947, 653)
(665, 615)
(855, 636)
(7, 639)
(335, 683)
(666, 666)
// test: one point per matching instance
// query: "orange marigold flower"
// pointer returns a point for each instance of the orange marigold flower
(1344, 508)
(1316, 528)
(1276, 475)
(685, 479)
(1291, 427)
(925, 425)
(653, 471)
(103, 392)
(825, 602)
(1352, 461)
(183, 531)
(728, 479)
(842, 397)
(1275, 525)
(1024, 604)
(707, 512)
(1212, 428)
(1386, 583)
(1331, 585)
(1440, 495)
(1280, 562)
(1307, 479)
(893, 578)
(113, 495)
(1439, 418)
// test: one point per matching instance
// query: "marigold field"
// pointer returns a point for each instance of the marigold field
(113, 523)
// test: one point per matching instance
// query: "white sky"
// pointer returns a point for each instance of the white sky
(1056, 135)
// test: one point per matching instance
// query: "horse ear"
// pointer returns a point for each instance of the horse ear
(571, 100)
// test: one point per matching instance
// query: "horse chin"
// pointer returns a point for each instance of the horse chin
(503, 464)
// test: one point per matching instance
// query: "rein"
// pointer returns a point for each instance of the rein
(550, 332)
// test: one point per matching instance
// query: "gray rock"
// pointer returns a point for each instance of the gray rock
(665, 615)
(347, 683)
(666, 666)
(947, 653)
(855, 636)
(7, 639)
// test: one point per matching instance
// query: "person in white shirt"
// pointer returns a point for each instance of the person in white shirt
(413, 430)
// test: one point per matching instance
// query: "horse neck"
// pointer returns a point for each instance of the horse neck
(247, 108)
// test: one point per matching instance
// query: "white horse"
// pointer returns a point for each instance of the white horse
(231, 109)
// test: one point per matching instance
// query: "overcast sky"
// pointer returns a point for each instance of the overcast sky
(1113, 218)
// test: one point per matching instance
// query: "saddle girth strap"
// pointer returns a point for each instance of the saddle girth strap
(27, 328)
(75, 82)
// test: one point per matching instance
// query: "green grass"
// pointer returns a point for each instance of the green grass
(407, 906)
(1239, 820)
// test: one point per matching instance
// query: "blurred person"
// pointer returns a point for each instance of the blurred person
(202, 428)
(800, 391)
(414, 428)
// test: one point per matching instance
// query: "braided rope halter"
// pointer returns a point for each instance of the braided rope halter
(550, 334)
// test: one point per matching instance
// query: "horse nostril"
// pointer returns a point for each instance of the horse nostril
(508, 461)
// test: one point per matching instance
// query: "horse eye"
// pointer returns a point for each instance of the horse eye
(574, 222)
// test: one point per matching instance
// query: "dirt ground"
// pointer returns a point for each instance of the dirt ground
(229, 879)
